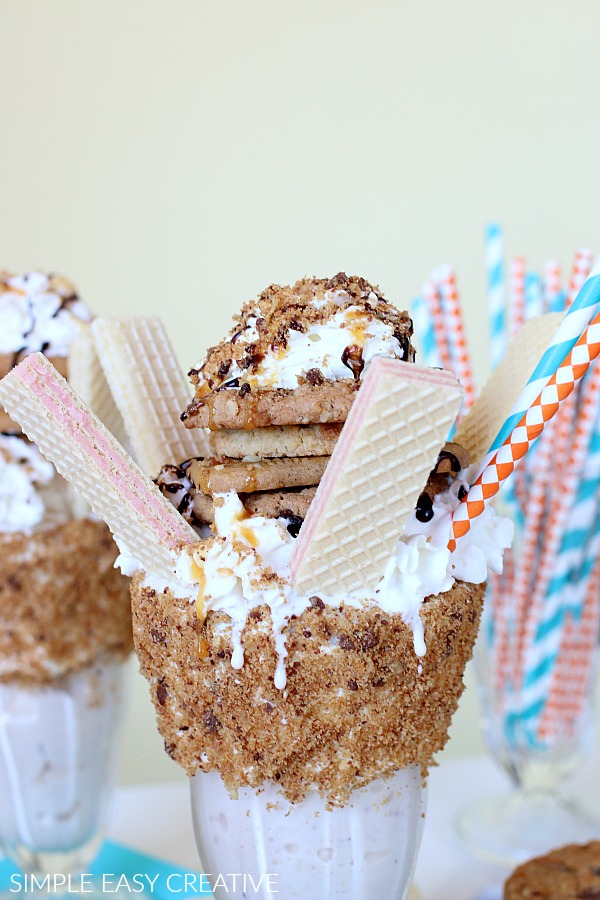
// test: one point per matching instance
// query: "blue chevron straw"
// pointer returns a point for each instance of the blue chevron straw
(494, 259)
(574, 323)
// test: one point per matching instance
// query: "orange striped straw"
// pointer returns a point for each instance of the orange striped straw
(445, 279)
(552, 279)
(582, 266)
(504, 461)
(574, 668)
(433, 299)
(574, 452)
(516, 293)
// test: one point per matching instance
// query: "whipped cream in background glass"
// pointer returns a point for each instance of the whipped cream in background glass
(32, 494)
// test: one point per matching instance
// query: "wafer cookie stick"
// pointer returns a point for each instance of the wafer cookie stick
(387, 448)
(482, 423)
(88, 455)
(86, 377)
(149, 389)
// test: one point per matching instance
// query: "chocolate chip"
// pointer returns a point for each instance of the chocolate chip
(269, 707)
(170, 749)
(462, 492)
(245, 389)
(314, 377)
(317, 603)
(296, 325)
(158, 637)
(346, 642)
(424, 511)
(368, 640)
(210, 721)
(352, 685)
(161, 694)
(307, 633)
(221, 654)
(224, 368)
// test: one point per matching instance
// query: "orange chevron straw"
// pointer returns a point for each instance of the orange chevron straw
(530, 426)
(445, 279)
(433, 299)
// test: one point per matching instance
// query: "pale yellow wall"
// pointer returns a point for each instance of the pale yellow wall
(176, 157)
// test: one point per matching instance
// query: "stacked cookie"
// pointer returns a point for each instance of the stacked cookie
(276, 393)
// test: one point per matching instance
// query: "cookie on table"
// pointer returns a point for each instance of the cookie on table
(569, 873)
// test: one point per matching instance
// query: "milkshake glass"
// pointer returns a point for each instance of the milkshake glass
(58, 746)
(368, 848)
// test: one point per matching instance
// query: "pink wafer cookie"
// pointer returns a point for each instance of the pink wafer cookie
(88, 455)
(387, 448)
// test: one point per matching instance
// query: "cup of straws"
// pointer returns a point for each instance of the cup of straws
(536, 659)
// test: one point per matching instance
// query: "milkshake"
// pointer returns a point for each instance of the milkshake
(297, 712)
(64, 614)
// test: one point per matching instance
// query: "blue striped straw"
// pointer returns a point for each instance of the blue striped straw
(534, 298)
(424, 332)
(494, 261)
(569, 331)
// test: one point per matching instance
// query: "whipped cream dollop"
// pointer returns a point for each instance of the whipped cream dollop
(323, 346)
(248, 565)
(39, 312)
(23, 474)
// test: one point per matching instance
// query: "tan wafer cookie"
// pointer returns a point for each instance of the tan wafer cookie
(88, 455)
(270, 504)
(86, 377)
(305, 405)
(216, 476)
(482, 423)
(149, 389)
(277, 441)
(388, 447)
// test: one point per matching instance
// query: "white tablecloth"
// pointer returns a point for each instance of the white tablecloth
(156, 819)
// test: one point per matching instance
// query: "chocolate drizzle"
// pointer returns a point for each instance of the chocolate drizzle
(352, 358)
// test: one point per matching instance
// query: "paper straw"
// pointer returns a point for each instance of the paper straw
(433, 299)
(425, 333)
(553, 297)
(534, 301)
(516, 293)
(529, 427)
(578, 316)
(445, 279)
(582, 265)
(494, 260)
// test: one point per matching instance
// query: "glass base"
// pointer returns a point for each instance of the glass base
(508, 830)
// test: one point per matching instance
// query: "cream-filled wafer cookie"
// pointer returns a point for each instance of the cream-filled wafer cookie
(217, 476)
(277, 441)
(480, 426)
(86, 377)
(380, 465)
(149, 389)
(87, 454)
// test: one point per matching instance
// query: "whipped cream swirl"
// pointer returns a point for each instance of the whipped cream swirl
(39, 312)
(23, 471)
(248, 565)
